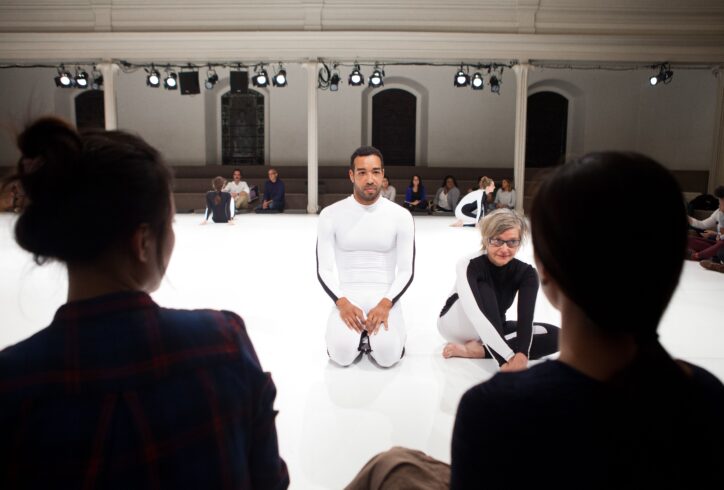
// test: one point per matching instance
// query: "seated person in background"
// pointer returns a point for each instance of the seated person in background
(118, 392)
(415, 196)
(505, 197)
(239, 190)
(218, 203)
(711, 241)
(471, 208)
(618, 411)
(388, 191)
(473, 318)
(273, 199)
(447, 196)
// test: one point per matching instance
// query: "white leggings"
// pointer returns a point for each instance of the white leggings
(386, 345)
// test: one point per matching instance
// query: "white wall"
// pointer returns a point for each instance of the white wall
(609, 110)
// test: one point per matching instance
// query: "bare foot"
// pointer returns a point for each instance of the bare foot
(472, 349)
(457, 223)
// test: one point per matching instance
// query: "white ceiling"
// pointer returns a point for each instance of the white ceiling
(684, 31)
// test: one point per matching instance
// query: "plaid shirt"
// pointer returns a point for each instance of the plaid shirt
(120, 393)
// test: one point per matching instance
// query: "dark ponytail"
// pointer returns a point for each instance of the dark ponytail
(86, 192)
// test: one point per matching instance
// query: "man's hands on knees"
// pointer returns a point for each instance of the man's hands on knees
(352, 316)
(378, 315)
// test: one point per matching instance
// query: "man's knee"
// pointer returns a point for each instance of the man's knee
(342, 354)
(387, 353)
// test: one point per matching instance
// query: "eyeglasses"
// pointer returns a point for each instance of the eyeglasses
(497, 242)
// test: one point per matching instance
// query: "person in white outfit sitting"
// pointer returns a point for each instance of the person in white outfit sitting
(370, 241)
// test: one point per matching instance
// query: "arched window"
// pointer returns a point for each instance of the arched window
(546, 129)
(394, 113)
(242, 128)
(89, 110)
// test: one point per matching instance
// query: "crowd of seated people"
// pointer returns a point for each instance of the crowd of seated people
(119, 392)
(707, 246)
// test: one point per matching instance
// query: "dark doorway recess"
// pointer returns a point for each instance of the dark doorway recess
(546, 128)
(394, 114)
(89, 110)
(242, 128)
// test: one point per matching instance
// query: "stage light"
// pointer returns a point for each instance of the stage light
(96, 79)
(462, 79)
(261, 79)
(356, 78)
(153, 79)
(211, 79)
(477, 82)
(664, 76)
(81, 78)
(334, 82)
(494, 85)
(63, 79)
(280, 79)
(170, 82)
(377, 79)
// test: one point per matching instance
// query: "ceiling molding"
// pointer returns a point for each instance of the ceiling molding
(371, 46)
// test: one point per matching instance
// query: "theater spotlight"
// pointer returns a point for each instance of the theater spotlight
(81, 78)
(96, 79)
(280, 79)
(356, 78)
(494, 84)
(334, 82)
(63, 79)
(462, 79)
(664, 76)
(261, 79)
(211, 79)
(171, 81)
(477, 82)
(153, 79)
(377, 79)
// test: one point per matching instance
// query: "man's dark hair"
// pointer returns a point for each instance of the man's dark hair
(719, 191)
(364, 151)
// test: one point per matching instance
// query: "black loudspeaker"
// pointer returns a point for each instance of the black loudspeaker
(189, 82)
(239, 81)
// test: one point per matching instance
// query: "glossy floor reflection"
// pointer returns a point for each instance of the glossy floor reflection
(332, 420)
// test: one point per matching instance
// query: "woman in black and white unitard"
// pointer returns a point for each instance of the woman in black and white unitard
(473, 318)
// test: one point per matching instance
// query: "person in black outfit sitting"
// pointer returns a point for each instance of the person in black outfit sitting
(615, 410)
(218, 203)
(473, 318)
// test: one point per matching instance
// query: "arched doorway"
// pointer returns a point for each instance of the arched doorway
(394, 115)
(546, 130)
(242, 128)
(89, 110)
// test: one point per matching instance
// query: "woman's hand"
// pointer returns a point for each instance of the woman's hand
(518, 362)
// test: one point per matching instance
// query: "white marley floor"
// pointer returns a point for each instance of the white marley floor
(332, 420)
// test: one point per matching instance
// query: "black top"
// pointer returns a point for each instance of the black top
(552, 426)
(496, 290)
(218, 204)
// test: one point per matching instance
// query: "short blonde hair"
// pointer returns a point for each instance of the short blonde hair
(500, 221)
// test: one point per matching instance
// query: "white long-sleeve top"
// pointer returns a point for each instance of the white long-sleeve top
(368, 245)
(235, 188)
(716, 220)
(477, 197)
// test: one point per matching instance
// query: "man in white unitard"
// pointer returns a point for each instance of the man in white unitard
(371, 243)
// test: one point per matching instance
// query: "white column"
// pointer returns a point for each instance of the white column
(716, 172)
(109, 71)
(312, 68)
(521, 111)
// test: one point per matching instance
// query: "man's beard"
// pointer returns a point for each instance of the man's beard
(360, 193)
